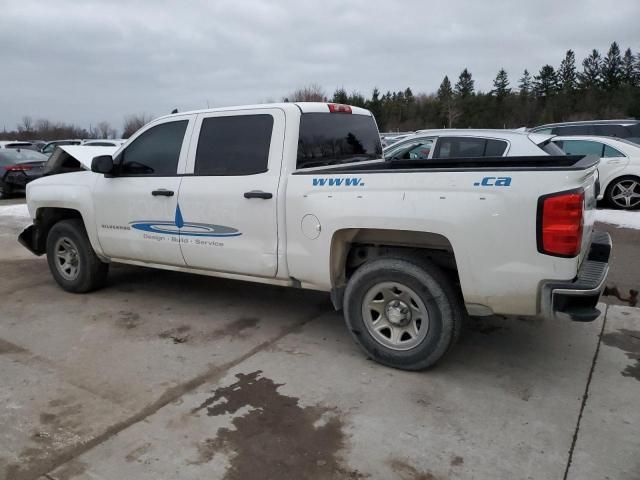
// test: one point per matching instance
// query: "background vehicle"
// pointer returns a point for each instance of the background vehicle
(465, 143)
(388, 139)
(103, 143)
(619, 167)
(51, 146)
(625, 129)
(17, 168)
(17, 144)
(298, 194)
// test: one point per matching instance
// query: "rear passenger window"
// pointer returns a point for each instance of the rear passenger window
(495, 148)
(611, 152)
(155, 152)
(582, 147)
(469, 147)
(612, 131)
(234, 145)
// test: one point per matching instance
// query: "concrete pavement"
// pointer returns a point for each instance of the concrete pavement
(167, 375)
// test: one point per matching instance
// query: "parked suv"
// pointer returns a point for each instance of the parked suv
(627, 129)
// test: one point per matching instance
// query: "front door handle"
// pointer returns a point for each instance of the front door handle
(162, 193)
(258, 194)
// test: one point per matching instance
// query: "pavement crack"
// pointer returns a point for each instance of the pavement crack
(585, 396)
(170, 395)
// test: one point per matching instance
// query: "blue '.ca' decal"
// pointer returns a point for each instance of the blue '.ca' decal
(179, 226)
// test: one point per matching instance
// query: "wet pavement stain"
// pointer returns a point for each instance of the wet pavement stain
(236, 329)
(409, 472)
(629, 342)
(178, 334)
(278, 438)
(8, 347)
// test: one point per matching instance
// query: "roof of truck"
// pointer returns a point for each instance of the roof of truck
(303, 107)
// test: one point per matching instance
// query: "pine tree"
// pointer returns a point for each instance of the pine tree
(465, 86)
(612, 68)
(340, 96)
(545, 83)
(629, 73)
(445, 92)
(525, 84)
(590, 77)
(567, 76)
(375, 106)
(501, 84)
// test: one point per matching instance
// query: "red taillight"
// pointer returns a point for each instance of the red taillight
(339, 108)
(560, 224)
(18, 168)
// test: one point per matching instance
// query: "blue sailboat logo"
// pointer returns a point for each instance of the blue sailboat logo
(182, 228)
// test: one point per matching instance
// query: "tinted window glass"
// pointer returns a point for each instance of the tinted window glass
(582, 147)
(611, 152)
(542, 130)
(235, 145)
(495, 148)
(467, 147)
(155, 152)
(573, 130)
(612, 131)
(416, 149)
(333, 138)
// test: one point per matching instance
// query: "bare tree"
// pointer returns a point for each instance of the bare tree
(104, 130)
(310, 93)
(133, 123)
(27, 124)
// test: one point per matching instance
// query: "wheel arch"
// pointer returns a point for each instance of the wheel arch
(44, 220)
(353, 247)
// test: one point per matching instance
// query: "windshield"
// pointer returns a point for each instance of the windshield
(334, 138)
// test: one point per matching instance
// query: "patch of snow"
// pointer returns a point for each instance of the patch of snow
(621, 218)
(19, 210)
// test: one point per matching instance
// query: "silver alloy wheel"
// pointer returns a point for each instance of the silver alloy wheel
(67, 259)
(626, 193)
(395, 316)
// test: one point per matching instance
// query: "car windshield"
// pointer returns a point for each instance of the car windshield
(21, 155)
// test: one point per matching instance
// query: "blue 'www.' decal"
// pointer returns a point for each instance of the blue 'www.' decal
(338, 182)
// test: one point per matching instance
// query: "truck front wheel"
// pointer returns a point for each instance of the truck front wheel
(403, 312)
(72, 261)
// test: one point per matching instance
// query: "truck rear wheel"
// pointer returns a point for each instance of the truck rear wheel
(72, 261)
(403, 312)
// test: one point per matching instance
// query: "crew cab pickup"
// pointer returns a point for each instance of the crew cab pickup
(298, 195)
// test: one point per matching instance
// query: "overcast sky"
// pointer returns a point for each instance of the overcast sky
(86, 61)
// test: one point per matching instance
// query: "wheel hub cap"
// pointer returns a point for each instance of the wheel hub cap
(398, 313)
(67, 259)
(395, 315)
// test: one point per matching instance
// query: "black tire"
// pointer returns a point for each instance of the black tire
(90, 272)
(612, 190)
(5, 190)
(425, 280)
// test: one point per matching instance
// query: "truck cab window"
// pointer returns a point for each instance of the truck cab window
(234, 145)
(156, 152)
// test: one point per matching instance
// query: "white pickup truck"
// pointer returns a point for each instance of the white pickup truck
(297, 194)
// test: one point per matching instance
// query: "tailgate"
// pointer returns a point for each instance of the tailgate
(590, 184)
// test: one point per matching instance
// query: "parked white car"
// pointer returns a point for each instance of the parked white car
(466, 143)
(107, 142)
(619, 167)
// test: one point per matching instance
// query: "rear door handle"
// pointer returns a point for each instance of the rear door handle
(162, 193)
(258, 194)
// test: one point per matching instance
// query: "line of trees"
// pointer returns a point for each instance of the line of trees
(604, 87)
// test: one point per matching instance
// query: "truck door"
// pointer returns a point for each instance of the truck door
(136, 209)
(228, 205)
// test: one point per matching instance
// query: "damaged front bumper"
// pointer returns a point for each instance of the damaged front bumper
(30, 239)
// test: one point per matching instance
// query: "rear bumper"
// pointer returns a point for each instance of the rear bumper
(577, 299)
